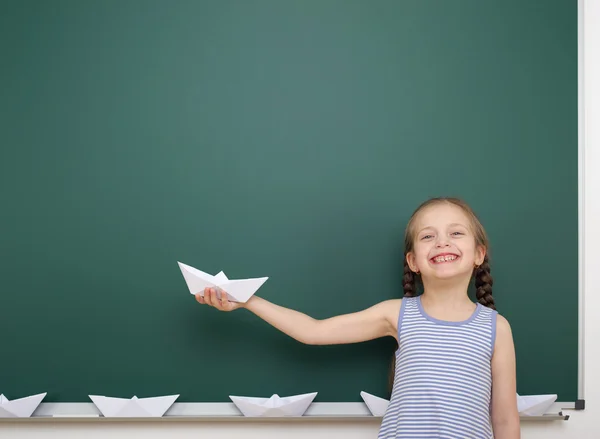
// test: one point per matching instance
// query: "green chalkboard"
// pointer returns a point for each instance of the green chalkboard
(289, 139)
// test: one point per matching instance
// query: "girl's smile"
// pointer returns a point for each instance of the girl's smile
(444, 258)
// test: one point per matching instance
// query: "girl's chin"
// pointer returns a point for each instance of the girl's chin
(450, 273)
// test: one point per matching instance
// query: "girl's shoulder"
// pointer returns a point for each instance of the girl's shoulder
(391, 306)
(502, 326)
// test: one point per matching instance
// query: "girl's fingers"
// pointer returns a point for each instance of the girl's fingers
(205, 297)
(210, 298)
(224, 300)
(214, 299)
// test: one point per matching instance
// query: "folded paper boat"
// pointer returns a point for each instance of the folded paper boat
(274, 406)
(238, 290)
(134, 407)
(377, 406)
(534, 405)
(19, 408)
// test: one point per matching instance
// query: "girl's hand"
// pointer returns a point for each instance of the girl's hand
(210, 298)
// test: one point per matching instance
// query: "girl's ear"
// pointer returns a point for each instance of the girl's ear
(480, 252)
(410, 259)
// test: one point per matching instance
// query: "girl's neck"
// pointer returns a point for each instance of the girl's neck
(446, 294)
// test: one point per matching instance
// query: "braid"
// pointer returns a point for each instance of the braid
(408, 281)
(483, 284)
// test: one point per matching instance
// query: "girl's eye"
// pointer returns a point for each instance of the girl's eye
(427, 237)
(457, 233)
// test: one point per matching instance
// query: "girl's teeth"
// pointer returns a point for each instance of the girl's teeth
(445, 258)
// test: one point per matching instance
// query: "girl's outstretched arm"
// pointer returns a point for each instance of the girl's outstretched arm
(505, 415)
(379, 320)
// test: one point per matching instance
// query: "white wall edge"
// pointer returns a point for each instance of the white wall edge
(581, 198)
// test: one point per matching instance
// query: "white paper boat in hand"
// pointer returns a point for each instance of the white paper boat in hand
(19, 408)
(534, 405)
(134, 407)
(377, 406)
(238, 290)
(274, 406)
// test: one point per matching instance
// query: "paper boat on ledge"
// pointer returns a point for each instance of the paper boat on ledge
(134, 407)
(534, 405)
(238, 290)
(19, 408)
(275, 405)
(377, 406)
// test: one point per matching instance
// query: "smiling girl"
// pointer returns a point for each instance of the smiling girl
(454, 373)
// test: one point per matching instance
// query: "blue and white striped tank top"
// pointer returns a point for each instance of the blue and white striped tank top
(443, 380)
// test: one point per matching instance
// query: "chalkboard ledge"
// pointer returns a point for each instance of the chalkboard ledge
(239, 418)
(227, 412)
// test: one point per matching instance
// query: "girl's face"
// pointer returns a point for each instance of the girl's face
(444, 245)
